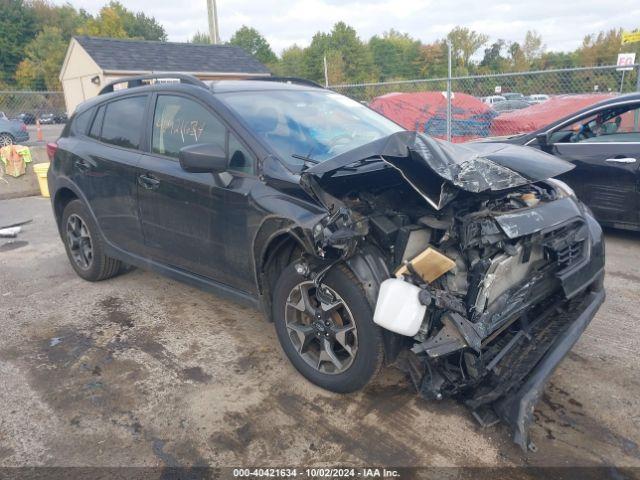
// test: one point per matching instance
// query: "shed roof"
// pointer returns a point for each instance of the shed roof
(148, 56)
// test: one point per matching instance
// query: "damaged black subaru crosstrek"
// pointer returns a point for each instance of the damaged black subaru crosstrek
(468, 266)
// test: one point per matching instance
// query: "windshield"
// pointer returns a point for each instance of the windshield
(308, 126)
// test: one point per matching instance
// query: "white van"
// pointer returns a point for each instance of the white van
(491, 99)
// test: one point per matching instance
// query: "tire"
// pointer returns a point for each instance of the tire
(96, 266)
(364, 365)
(6, 139)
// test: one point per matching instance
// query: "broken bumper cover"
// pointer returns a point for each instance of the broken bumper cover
(516, 409)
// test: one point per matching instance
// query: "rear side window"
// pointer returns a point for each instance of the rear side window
(122, 124)
(179, 122)
(81, 122)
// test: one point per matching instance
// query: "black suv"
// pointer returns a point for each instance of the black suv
(365, 244)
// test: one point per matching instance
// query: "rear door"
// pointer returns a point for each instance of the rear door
(198, 222)
(105, 168)
(607, 173)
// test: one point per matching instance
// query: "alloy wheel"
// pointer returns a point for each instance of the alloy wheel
(321, 328)
(5, 140)
(79, 241)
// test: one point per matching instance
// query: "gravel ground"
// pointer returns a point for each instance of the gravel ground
(140, 370)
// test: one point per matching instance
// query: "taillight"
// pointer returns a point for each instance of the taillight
(23, 127)
(52, 147)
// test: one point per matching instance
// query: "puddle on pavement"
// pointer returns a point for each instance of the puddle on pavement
(8, 246)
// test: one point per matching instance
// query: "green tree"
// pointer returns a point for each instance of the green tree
(44, 56)
(201, 38)
(396, 55)
(291, 63)
(107, 23)
(493, 60)
(346, 54)
(253, 43)
(313, 57)
(138, 25)
(532, 47)
(116, 21)
(17, 29)
(433, 60)
(64, 17)
(464, 44)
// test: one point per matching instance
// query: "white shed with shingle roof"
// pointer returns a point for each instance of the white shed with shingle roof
(92, 62)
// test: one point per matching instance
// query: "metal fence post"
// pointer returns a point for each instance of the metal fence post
(449, 91)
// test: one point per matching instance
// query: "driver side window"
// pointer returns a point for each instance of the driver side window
(179, 122)
(608, 125)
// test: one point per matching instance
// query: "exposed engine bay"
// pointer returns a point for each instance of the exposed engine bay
(481, 284)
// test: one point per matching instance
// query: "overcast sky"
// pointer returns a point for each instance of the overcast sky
(562, 23)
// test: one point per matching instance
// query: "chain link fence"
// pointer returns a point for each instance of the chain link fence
(31, 104)
(493, 105)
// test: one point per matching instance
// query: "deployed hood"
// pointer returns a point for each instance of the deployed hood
(473, 167)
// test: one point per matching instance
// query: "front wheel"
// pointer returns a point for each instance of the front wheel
(327, 332)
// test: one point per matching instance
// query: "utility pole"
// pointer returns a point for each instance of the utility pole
(212, 11)
(449, 91)
(326, 72)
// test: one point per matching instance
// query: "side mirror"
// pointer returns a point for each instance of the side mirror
(203, 158)
(543, 139)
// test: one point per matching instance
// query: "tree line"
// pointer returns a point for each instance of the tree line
(398, 56)
(36, 35)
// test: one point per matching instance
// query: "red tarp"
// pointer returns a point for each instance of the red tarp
(537, 116)
(427, 112)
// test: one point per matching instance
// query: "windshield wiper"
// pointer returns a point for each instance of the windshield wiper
(305, 158)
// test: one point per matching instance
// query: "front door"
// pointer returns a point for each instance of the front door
(196, 222)
(605, 148)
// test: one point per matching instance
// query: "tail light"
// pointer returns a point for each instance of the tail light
(23, 127)
(52, 148)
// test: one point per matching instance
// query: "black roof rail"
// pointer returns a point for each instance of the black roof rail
(293, 80)
(137, 81)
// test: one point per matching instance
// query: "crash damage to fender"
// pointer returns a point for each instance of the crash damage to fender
(481, 268)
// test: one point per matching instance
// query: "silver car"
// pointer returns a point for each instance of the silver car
(12, 131)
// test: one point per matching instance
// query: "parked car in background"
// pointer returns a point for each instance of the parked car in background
(27, 118)
(509, 105)
(513, 96)
(537, 98)
(3, 116)
(603, 142)
(491, 99)
(47, 118)
(60, 117)
(12, 131)
(365, 243)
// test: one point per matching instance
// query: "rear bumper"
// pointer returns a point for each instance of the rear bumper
(516, 409)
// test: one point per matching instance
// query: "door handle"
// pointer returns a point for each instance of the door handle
(82, 165)
(148, 182)
(621, 160)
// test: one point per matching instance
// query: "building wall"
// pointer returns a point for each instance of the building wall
(77, 72)
(79, 69)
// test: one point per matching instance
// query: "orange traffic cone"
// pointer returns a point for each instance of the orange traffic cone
(38, 130)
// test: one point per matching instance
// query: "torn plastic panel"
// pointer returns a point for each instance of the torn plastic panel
(474, 167)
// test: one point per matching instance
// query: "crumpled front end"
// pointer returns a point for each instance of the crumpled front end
(524, 306)
(496, 269)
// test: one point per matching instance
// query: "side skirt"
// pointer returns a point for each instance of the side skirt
(208, 285)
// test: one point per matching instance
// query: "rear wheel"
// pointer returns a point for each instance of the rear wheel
(6, 139)
(84, 245)
(327, 332)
